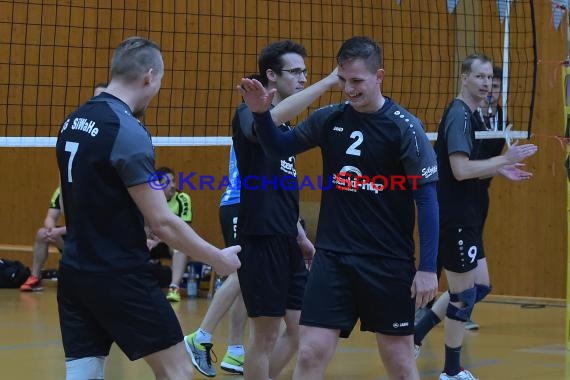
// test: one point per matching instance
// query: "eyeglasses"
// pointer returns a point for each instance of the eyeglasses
(297, 71)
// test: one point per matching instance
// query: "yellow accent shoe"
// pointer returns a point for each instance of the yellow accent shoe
(201, 354)
(173, 294)
(233, 364)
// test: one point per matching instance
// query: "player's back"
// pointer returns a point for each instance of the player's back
(101, 150)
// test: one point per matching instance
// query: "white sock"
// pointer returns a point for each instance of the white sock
(203, 336)
(237, 350)
(85, 368)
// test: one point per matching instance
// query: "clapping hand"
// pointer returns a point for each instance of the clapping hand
(516, 153)
(514, 173)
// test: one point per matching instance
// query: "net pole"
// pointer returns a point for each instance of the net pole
(566, 97)
(505, 81)
(566, 94)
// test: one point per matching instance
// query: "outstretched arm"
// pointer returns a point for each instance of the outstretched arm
(276, 143)
(177, 234)
(290, 107)
(258, 98)
(463, 168)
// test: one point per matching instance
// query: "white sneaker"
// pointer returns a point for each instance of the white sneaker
(463, 375)
(471, 325)
(417, 351)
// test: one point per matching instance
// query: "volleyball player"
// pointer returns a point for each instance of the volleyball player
(106, 292)
(50, 233)
(464, 164)
(227, 297)
(272, 277)
(364, 265)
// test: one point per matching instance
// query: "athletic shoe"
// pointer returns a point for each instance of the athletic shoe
(417, 351)
(173, 294)
(471, 325)
(200, 354)
(32, 284)
(233, 364)
(463, 375)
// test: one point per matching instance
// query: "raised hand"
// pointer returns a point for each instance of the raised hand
(257, 97)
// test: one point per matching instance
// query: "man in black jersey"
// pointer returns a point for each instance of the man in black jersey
(464, 166)
(379, 161)
(490, 113)
(50, 233)
(106, 292)
(273, 275)
(268, 224)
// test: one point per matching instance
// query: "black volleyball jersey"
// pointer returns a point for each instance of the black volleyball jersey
(102, 149)
(372, 162)
(269, 194)
(461, 203)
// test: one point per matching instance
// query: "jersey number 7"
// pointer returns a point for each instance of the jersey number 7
(70, 147)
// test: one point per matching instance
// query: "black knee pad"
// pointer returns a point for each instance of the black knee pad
(482, 291)
(467, 297)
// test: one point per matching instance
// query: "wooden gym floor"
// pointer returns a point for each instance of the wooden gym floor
(514, 342)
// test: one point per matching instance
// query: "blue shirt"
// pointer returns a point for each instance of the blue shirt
(231, 195)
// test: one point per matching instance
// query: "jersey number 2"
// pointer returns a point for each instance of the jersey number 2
(70, 147)
(353, 148)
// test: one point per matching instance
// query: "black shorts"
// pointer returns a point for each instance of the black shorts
(228, 222)
(161, 251)
(460, 248)
(344, 288)
(97, 309)
(272, 275)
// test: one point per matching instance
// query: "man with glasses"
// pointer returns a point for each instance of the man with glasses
(273, 277)
(298, 72)
(364, 268)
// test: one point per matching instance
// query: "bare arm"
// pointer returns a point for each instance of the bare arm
(179, 235)
(463, 168)
(305, 244)
(293, 105)
(258, 98)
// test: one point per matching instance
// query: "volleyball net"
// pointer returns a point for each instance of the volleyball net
(55, 52)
